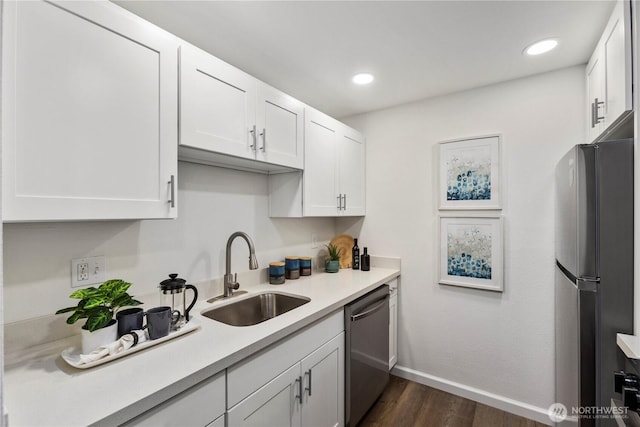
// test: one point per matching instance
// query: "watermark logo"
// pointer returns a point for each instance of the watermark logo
(557, 412)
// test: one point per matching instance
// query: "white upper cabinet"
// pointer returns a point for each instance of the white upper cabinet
(608, 74)
(595, 95)
(226, 112)
(333, 181)
(217, 104)
(321, 188)
(351, 175)
(89, 113)
(280, 126)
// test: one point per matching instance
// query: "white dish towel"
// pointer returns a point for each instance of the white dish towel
(123, 344)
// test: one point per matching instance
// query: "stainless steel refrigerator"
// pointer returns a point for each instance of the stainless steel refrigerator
(594, 273)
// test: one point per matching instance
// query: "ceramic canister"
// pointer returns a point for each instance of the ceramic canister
(292, 267)
(305, 266)
(276, 273)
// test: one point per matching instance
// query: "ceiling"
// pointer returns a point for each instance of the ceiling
(415, 49)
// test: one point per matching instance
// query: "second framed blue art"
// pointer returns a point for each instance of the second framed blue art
(470, 174)
(471, 252)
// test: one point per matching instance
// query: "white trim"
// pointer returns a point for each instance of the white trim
(494, 400)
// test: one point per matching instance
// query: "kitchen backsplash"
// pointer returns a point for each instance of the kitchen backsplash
(213, 203)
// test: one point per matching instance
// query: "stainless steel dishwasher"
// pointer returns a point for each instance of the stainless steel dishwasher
(367, 352)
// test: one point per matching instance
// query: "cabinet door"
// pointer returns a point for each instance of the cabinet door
(196, 406)
(275, 404)
(351, 171)
(323, 379)
(616, 57)
(279, 122)
(217, 105)
(595, 96)
(89, 113)
(219, 422)
(393, 325)
(320, 193)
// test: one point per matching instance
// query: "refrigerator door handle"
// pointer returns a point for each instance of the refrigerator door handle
(589, 284)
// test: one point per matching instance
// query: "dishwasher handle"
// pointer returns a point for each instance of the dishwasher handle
(370, 309)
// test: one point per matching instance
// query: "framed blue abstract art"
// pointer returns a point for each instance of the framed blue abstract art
(471, 252)
(470, 173)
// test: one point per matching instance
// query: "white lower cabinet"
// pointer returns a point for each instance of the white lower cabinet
(202, 405)
(275, 404)
(219, 422)
(323, 385)
(393, 323)
(309, 393)
(298, 381)
(294, 383)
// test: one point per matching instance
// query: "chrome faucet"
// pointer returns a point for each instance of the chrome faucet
(231, 280)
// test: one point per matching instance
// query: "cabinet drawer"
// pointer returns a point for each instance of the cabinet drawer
(200, 405)
(252, 373)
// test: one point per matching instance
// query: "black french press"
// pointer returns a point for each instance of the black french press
(173, 294)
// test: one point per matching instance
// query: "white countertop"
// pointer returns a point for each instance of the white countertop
(629, 344)
(42, 390)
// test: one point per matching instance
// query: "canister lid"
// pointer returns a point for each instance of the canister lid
(276, 264)
(292, 258)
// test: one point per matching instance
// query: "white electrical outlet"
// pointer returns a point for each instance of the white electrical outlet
(83, 272)
(88, 271)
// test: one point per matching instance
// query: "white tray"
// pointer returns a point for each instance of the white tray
(72, 354)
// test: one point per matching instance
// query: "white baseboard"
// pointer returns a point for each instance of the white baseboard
(503, 403)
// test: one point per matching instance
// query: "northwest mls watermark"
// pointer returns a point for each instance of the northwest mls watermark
(558, 412)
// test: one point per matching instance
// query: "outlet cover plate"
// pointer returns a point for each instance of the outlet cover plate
(95, 273)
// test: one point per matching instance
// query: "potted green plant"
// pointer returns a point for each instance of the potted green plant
(332, 263)
(99, 306)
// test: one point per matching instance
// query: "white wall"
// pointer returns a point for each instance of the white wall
(497, 343)
(213, 203)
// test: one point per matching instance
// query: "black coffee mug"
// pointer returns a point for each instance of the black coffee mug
(160, 320)
(129, 320)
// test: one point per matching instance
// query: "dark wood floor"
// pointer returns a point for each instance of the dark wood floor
(405, 403)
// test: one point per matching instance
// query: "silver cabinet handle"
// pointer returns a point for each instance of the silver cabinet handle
(598, 104)
(264, 140)
(308, 388)
(345, 202)
(339, 201)
(593, 114)
(299, 396)
(252, 131)
(172, 190)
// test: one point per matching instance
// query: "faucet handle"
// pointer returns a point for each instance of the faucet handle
(235, 285)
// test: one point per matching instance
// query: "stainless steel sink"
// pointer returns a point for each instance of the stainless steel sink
(255, 309)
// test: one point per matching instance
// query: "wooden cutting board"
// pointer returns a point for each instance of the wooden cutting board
(344, 242)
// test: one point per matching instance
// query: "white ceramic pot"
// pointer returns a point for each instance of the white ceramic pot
(93, 340)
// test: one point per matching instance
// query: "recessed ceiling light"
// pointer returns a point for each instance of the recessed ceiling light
(362, 78)
(541, 47)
